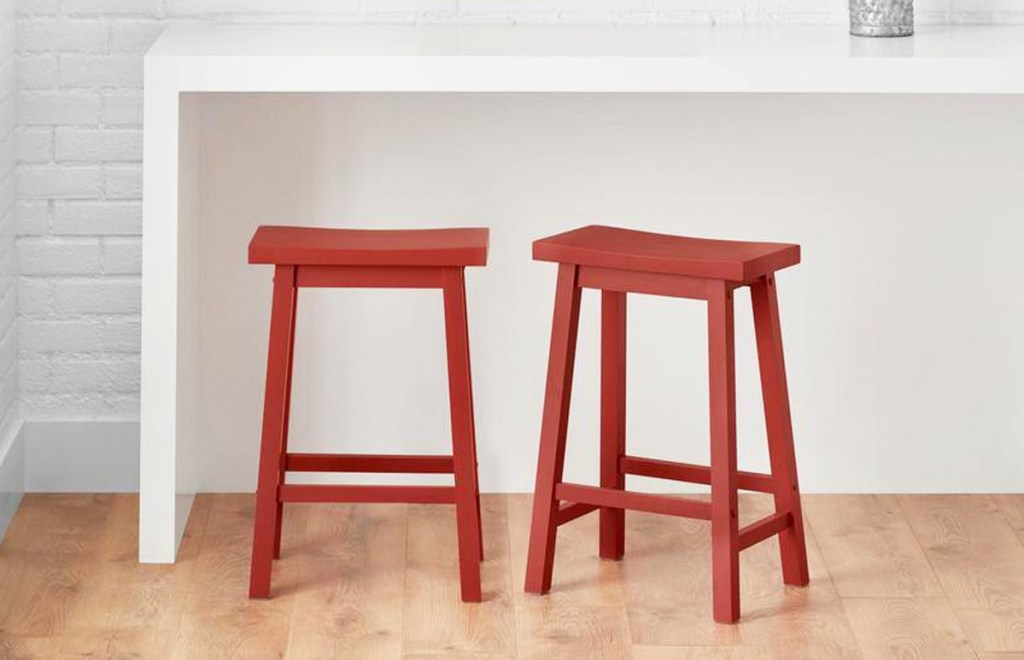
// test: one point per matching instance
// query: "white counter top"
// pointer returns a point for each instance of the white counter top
(951, 60)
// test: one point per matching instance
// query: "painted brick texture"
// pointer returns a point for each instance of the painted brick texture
(9, 148)
(79, 145)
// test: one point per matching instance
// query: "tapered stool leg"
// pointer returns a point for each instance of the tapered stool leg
(467, 498)
(780, 430)
(554, 426)
(274, 424)
(613, 418)
(278, 519)
(472, 407)
(725, 547)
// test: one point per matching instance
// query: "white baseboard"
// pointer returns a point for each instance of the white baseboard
(12, 474)
(94, 456)
(84, 456)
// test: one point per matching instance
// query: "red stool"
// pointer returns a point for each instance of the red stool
(311, 257)
(618, 261)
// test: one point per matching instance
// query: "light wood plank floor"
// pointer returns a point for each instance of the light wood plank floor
(926, 577)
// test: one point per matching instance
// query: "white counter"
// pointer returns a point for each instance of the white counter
(272, 59)
(587, 59)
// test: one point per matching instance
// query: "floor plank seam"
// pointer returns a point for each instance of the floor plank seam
(511, 579)
(405, 582)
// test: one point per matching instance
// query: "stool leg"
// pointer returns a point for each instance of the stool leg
(287, 416)
(725, 548)
(467, 495)
(613, 417)
(780, 429)
(274, 416)
(554, 425)
(472, 407)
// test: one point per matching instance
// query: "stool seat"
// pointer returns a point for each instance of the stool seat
(319, 246)
(628, 249)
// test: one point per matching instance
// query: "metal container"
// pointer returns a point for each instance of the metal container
(882, 18)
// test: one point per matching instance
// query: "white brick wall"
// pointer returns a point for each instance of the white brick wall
(9, 147)
(79, 144)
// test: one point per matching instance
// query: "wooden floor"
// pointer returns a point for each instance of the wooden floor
(927, 577)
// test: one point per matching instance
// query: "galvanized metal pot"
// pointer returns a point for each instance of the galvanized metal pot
(882, 18)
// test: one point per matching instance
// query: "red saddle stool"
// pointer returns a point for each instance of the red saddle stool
(618, 261)
(315, 257)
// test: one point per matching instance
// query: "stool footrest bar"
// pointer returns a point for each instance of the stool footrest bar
(764, 528)
(569, 512)
(624, 499)
(368, 494)
(690, 473)
(380, 463)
